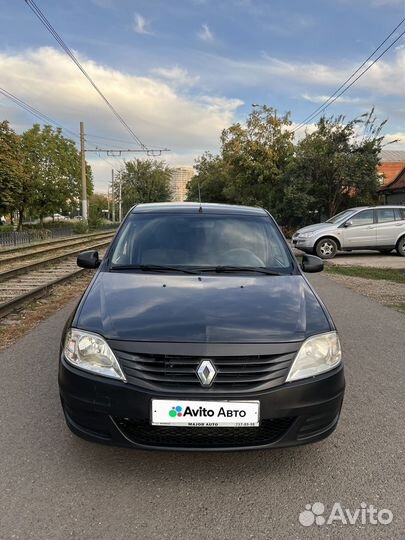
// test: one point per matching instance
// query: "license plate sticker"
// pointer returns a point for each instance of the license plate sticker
(192, 413)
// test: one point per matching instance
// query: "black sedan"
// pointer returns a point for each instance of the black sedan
(200, 331)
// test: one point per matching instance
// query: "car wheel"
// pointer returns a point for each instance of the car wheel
(326, 248)
(385, 251)
(401, 246)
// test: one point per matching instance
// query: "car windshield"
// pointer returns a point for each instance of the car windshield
(201, 241)
(341, 216)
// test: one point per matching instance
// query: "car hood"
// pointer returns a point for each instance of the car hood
(317, 227)
(206, 309)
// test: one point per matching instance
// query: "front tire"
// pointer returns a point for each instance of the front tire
(401, 247)
(326, 248)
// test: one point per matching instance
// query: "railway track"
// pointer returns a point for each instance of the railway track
(34, 280)
(10, 256)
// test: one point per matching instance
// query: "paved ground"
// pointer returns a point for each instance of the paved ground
(56, 486)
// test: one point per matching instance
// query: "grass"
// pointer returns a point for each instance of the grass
(367, 272)
(399, 307)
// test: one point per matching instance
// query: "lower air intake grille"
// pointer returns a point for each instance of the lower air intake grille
(269, 431)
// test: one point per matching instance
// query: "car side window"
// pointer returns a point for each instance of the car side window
(385, 215)
(366, 217)
(399, 214)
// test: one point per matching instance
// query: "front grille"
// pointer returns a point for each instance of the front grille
(234, 373)
(269, 431)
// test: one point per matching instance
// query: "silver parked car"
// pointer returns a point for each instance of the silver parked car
(380, 228)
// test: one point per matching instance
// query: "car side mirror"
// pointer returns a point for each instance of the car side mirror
(348, 223)
(311, 264)
(88, 259)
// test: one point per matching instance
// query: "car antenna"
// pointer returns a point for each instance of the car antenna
(199, 198)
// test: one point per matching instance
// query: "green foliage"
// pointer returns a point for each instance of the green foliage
(144, 181)
(334, 168)
(211, 177)
(40, 172)
(330, 169)
(81, 227)
(97, 203)
(49, 225)
(368, 272)
(249, 167)
(6, 228)
(11, 168)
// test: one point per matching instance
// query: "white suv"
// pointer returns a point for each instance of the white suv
(380, 228)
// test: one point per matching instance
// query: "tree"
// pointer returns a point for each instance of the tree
(210, 180)
(54, 171)
(97, 203)
(334, 168)
(144, 181)
(12, 174)
(251, 162)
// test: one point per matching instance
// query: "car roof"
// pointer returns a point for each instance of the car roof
(194, 207)
(357, 208)
(378, 206)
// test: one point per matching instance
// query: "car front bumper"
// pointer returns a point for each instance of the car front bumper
(305, 244)
(113, 412)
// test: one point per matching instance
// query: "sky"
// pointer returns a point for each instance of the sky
(180, 71)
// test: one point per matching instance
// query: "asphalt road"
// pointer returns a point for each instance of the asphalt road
(56, 486)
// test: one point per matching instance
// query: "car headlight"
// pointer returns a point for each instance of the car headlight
(317, 354)
(92, 353)
(306, 235)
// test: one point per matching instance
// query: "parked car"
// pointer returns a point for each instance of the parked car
(200, 331)
(380, 228)
(59, 217)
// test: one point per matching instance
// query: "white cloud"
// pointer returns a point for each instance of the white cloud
(386, 77)
(141, 25)
(205, 34)
(177, 75)
(341, 99)
(399, 137)
(159, 114)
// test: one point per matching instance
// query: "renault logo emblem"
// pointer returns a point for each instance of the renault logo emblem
(206, 372)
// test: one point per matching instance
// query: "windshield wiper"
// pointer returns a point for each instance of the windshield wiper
(151, 268)
(224, 269)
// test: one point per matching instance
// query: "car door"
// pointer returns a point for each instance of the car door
(360, 230)
(389, 224)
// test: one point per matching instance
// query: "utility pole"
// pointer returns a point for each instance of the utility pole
(120, 196)
(112, 196)
(84, 184)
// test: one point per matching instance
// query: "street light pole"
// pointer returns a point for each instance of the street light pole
(83, 162)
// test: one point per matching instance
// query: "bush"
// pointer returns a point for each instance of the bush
(49, 225)
(288, 231)
(81, 227)
(95, 222)
(6, 228)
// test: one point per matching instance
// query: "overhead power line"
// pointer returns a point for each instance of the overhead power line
(35, 112)
(343, 88)
(40, 15)
(46, 119)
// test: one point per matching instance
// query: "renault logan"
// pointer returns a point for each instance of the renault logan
(200, 331)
